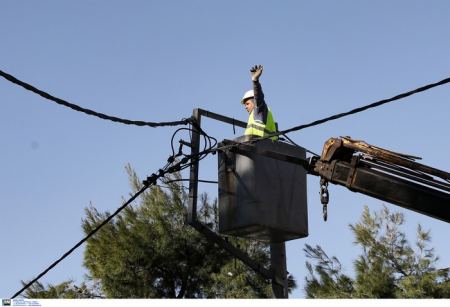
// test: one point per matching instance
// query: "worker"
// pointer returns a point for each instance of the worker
(260, 121)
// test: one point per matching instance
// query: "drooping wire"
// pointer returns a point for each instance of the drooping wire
(107, 220)
(151, 180)
(214, 149)
(172, 138)
(207, 142)
(357, 110)
(209, 148)
(170, 167)
(75, 107)
(209, 138)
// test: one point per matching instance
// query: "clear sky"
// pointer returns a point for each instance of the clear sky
(158, 60)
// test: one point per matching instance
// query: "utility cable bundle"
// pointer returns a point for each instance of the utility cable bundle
(75, 107)
(360, 109)
(173, 165)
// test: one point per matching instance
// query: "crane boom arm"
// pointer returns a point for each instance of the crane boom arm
(385, 175)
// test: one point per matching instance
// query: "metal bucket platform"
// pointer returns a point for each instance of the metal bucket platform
(260, 197)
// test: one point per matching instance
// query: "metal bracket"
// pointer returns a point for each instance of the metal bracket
(325, 169)
(351, 174)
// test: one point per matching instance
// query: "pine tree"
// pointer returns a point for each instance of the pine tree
(66, 290)
(387, 268)
(148, 251)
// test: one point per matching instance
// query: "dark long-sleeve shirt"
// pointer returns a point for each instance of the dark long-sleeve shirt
(260, 111)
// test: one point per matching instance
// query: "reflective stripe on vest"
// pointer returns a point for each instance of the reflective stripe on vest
(258, 128)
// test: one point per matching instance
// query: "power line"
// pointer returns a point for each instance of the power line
(80, 242)
(151, 180)
(177, 167)
(75, 107)
(147, 183)
(333, 117)
(360, 109)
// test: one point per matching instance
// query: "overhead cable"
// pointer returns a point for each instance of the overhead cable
(326, 119)
(360, 109)
(147, 183)
(75, 107)
(170, 167)
(107, 220)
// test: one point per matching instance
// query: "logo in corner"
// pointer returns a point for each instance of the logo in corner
(6, 302)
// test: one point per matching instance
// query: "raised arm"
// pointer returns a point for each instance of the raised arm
(256, 72)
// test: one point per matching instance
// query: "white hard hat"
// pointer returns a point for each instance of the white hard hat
(248, 94)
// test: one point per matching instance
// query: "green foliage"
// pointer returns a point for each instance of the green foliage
(330, 283)
(388, 266)
(236, 280)
(149, 252)
(66, 290)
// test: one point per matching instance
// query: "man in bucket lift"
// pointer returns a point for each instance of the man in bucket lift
(260, 122)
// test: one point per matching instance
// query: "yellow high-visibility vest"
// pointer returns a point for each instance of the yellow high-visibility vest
(258, 128)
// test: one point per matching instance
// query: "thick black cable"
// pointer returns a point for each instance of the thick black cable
(107, 220)
(151, 180)
(173, 136)
(197, 126)
(75, 107)
(147, 183)
(360, 109)
(154, 177)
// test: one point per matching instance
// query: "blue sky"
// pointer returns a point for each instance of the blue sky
(157, 60)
